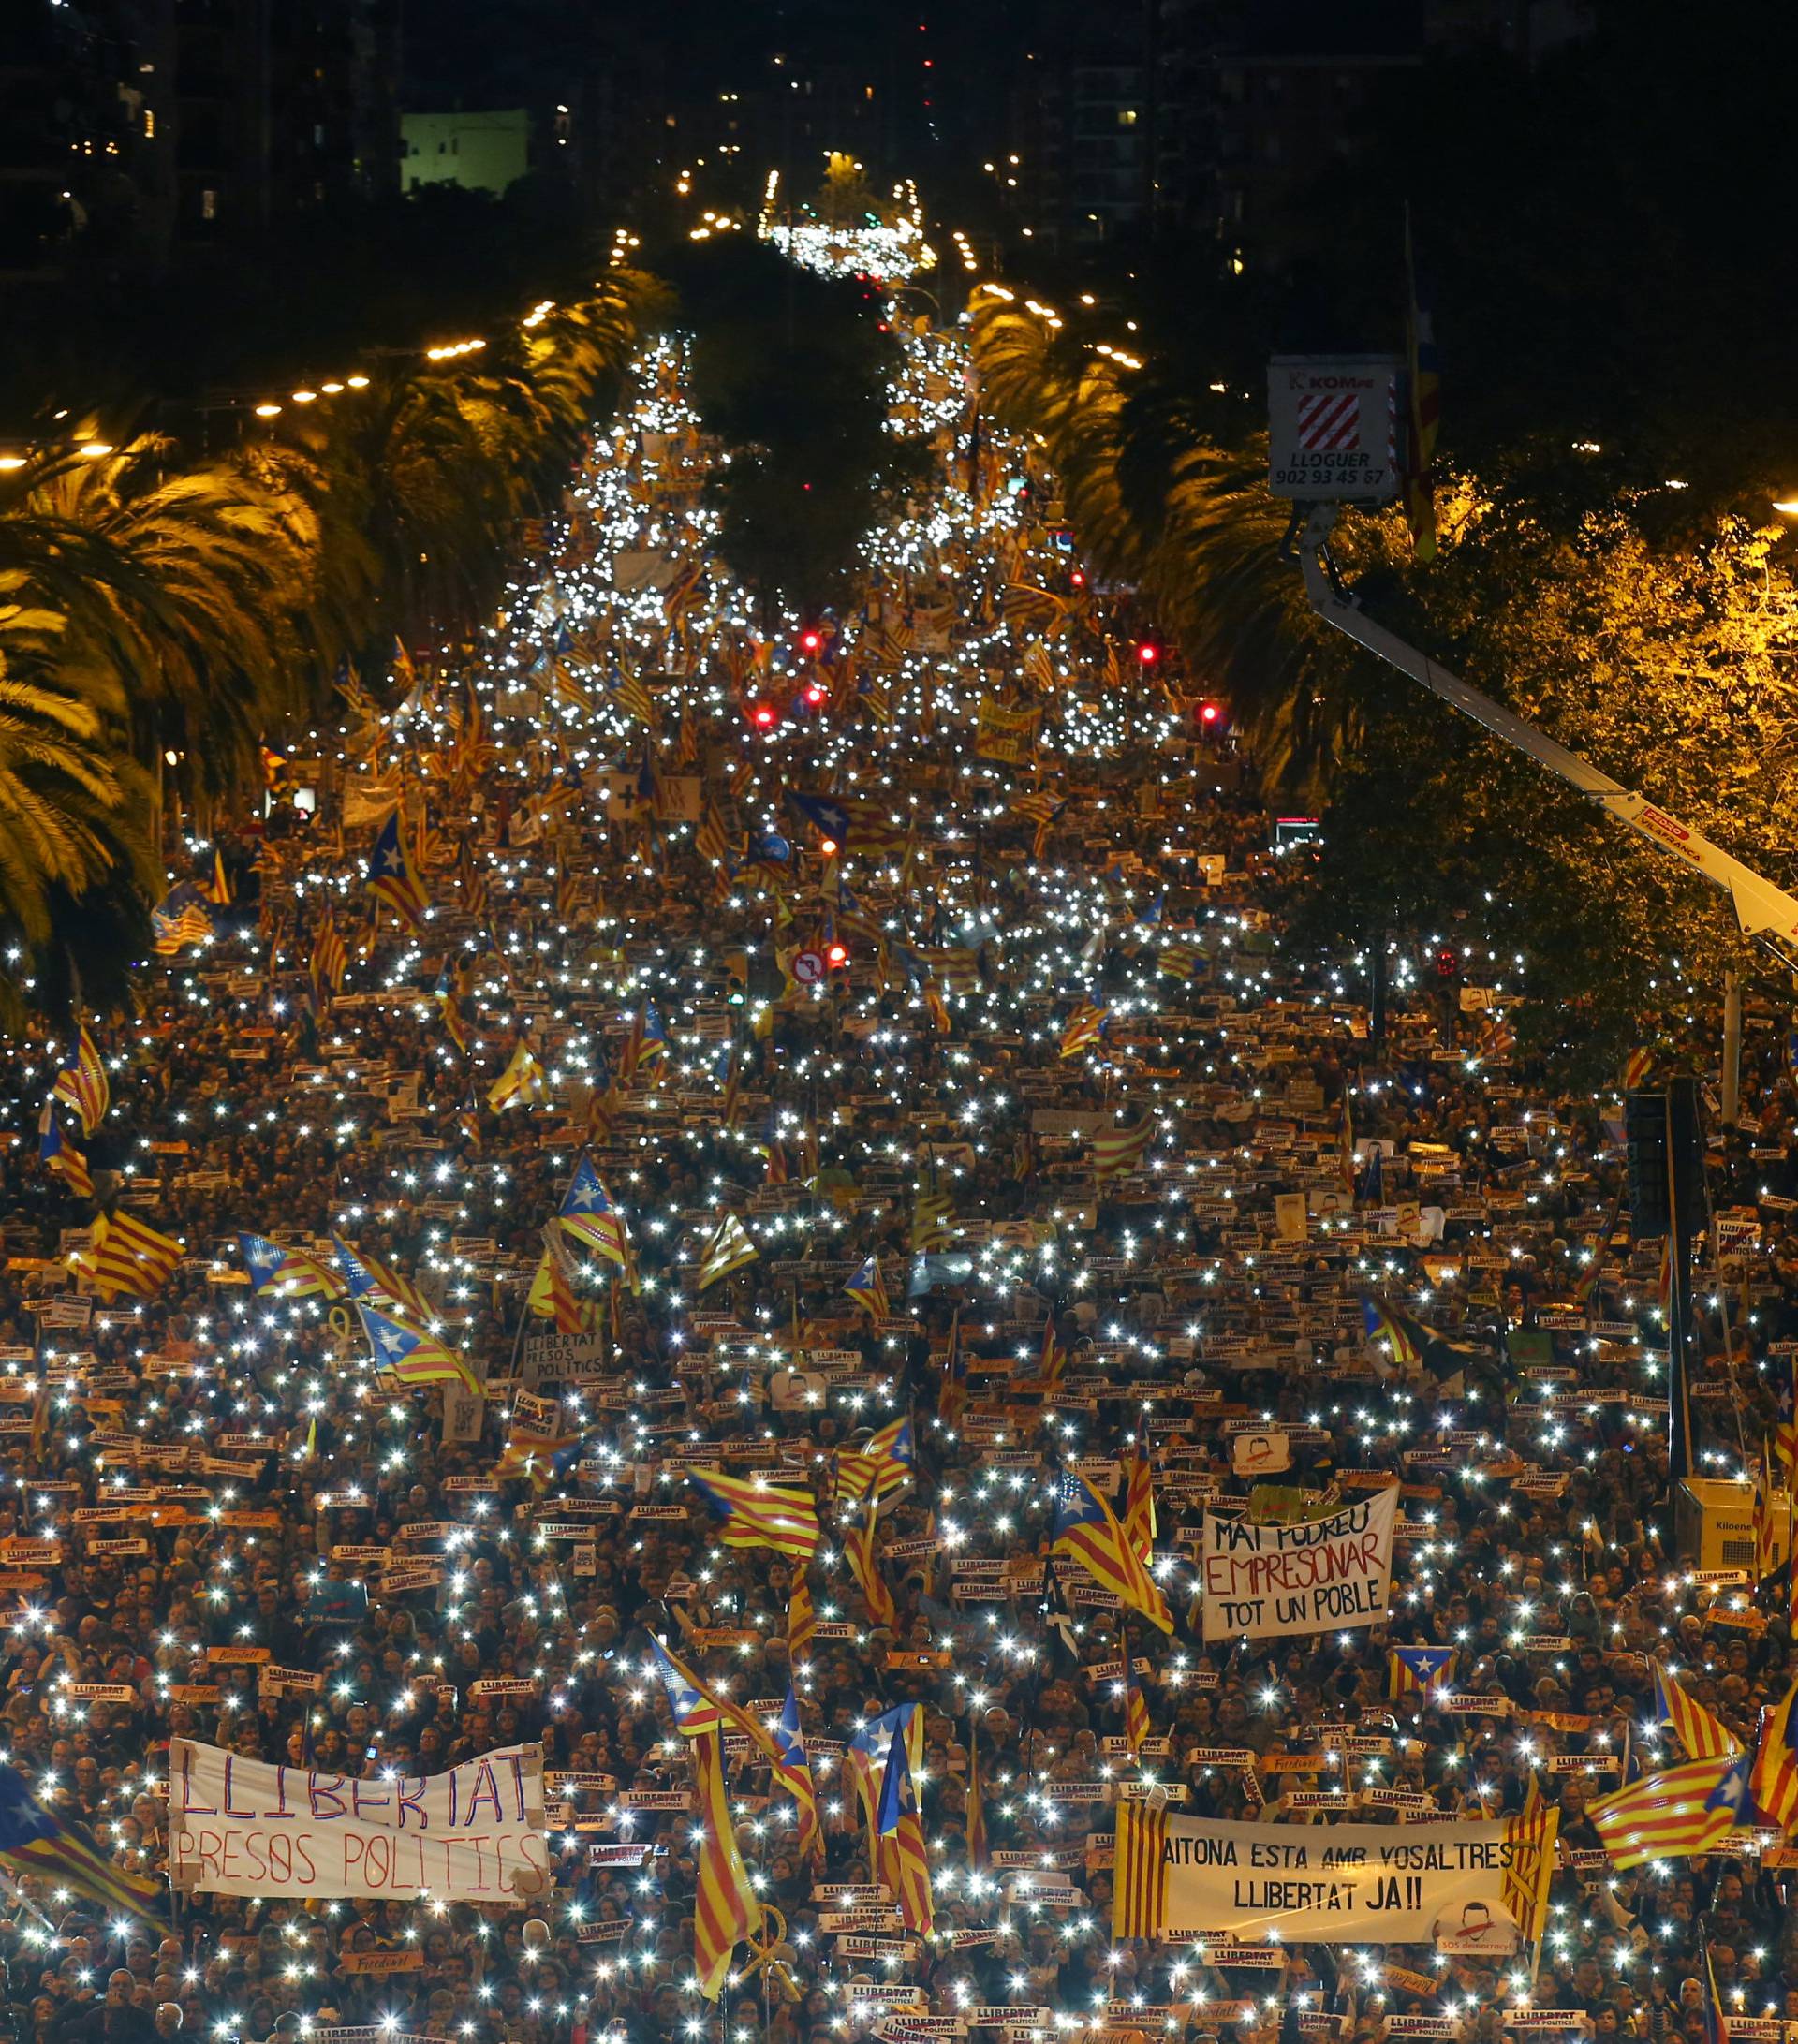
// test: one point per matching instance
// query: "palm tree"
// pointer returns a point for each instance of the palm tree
(153, 606)
(73, 812)
(1160, 503)
(198, 570)
(433, 463)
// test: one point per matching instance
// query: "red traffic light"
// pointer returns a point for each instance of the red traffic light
(1148, 653)
(764, 713)
(1077, 578)
(814, 694)
(837, 955)
(810, 642)
(1209, 712)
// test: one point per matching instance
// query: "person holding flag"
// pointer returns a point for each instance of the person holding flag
(391, 877)
(1086, 1530)
(868, 1289)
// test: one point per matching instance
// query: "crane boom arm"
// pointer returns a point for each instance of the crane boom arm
(1765, 912)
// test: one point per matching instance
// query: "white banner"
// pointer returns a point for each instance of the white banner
(547, 1354)
(1339, 1882)
(1317, 1576)
(240, 1826)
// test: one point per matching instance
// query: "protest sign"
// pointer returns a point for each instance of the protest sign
(1315, 1576)
(240, 1827)
(1297, 1883)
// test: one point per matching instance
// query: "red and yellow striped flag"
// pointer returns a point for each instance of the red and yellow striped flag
(551, 1297)
(903, 1864)
(1773, 1780)
(1086, 1530)
(1082, 1029)
(1140, 1877)
(729, 1250)
(330, 960)
(726, 1910)
(760, 1514)
(801, 1620)
(1531, 1838)
(128, 1256)
(882, 1467)
(84, 1085)
(1117, 1152)
(1698, 1733)
(1139, 1506)
(1137, 1727)
(865, 1567)
(1675, 1814)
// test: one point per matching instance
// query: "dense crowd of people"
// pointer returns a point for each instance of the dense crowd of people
(898, 1047)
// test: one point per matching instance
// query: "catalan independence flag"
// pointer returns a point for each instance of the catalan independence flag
(57, 1153)
(759, 1514)
(801, 1622)
(1405, 1339)
(903, 1864)
(390, 877)
(40, 1841)
(864, 1566)
(1086, 1530)
(1082, 1029)
(729, 1250)
(793, 1771)
(412, 1355)
(726, 1910)
(84, 1085)
(288, 1273)
(868, 1289)
(551, 1297)
(128, 1256)
(1117, 1152)
(381, 1285)
(588, 1216)
(1773, 1780)
(883, 1466)
(1411, 1670)
(180, 918)
(1137, 1723)
(523, 1081)
(696, 1709)
(1697, 1730)
(1139, 1504)
(1675, 1815)
(330, 961)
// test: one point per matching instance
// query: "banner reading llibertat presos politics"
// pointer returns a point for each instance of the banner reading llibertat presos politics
(240, 1826)
(1463, 1886)
(1316, 1575)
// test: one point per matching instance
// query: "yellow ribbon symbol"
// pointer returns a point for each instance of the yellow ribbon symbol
(765, 1943)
